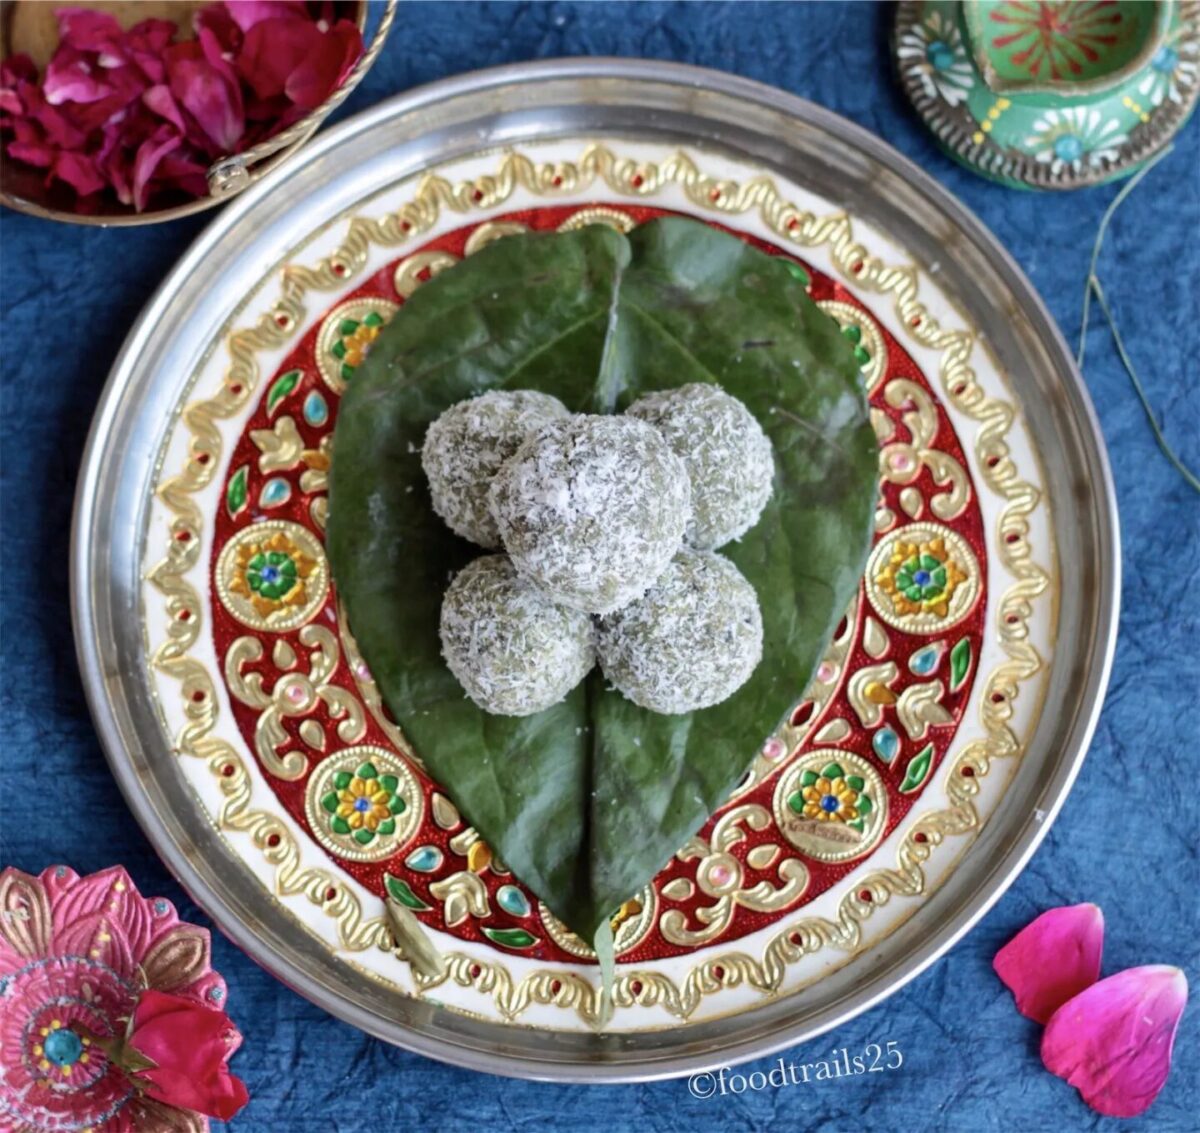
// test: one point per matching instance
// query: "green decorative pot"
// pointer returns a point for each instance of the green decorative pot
(1052, 94)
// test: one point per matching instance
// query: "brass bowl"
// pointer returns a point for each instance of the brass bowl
(23, 187)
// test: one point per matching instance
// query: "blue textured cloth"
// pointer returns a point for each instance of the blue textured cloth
(1127, 838)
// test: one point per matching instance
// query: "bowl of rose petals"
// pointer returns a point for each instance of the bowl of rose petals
(127, 112)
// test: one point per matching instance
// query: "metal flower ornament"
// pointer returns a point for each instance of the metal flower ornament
(111, 1017)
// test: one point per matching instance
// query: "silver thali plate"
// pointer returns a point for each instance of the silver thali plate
(229, 715)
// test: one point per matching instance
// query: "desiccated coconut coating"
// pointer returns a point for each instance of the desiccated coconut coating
(728, 458)
(512, 650)
(465, 447)
(691, 642)
(592, 509)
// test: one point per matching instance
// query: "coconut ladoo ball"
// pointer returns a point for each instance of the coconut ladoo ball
(592, 509)
(465, 447)
(728, 458)
(513, 651)
(691, 642)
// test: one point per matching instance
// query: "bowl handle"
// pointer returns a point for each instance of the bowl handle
(230, 175)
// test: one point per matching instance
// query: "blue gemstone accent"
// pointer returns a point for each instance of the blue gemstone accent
(921, 577)
(161, 907)
(925, 659)
(829, 803)
(275, 491)
(1068, 147)
(1166, 59)
(361, 803)
(424, 859)
(940, 55)
(63, 1047)
(886, 744)
(269, 574)
(316, 412)
(512, 900)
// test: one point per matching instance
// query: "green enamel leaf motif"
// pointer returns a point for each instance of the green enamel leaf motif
(510, 937)
(282, 386)
(586, 801)
(960, 663)
(402, 892)
(918, 770)
(235, 494)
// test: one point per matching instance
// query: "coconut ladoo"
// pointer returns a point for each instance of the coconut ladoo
(513, 651)
(727, 454)
(591, 509)
(690, 642)
(465, 447)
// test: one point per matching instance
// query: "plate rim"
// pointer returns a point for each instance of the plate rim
(99, 675)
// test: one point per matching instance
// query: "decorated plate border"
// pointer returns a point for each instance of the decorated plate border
(635, 179)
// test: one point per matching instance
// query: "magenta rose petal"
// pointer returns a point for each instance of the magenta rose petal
(1052, 958)
(149, 154)
(1113, 1041)
(247, 13)
(85, 29)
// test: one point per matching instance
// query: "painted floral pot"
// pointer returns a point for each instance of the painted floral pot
(1051, 94)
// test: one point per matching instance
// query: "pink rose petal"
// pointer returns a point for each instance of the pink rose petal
(149, 154)
(72, 76)
(79, 171)
(1052, 959)
(85, 29)
(206, 87)
(1113, 1041)
(247, 13)
(321, 72)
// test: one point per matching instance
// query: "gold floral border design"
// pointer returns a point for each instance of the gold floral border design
(638, 180)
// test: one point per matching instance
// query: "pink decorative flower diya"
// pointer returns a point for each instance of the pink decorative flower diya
(110, 1014)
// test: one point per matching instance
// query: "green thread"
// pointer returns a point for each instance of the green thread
(1094, 287)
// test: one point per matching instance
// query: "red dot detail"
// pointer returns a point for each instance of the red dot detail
(858, 267)
(235, 389)
(475, 970)
(197, 697)
(185, 615)
(183, 536)
(555, 987)
(202, 458)
(919, 837)
(865, 895)
(636, 987)
(228, 770)
(638, 181)
(718, 972)
(968, 772)
(330, 893)
(477, 195)
(557, 182)
(273, 840)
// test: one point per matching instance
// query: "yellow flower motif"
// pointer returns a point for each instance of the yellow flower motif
(830, 800)
(271, 574)
(630, 908)
(920, 577)
(359, 343)
(364, 802)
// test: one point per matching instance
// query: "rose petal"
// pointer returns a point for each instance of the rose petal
(1052, 958)
(189, 1045)
(86, 29)
(272, 50)
(211, 95)
(72, 76)
(149, 154)
(321, 72)
(247, 13)
(32, 153)
(160, 100)
(1113, 1041)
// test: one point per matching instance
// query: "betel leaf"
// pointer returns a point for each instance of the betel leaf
(586, 801)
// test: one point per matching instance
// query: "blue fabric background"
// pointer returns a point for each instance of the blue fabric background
(1127, 838)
